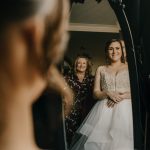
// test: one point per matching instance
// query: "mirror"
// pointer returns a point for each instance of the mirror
(103, 121)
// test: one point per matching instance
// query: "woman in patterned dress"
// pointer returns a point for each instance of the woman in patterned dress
(81, 82)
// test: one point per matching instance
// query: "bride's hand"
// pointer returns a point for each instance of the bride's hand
(110, 103)
(125, 95)
(115, 96)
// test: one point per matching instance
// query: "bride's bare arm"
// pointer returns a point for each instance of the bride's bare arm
(126, 95)
(97, 92)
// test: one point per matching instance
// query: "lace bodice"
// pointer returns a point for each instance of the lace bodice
(114, 82)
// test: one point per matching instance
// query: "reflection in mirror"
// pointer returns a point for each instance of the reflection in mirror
(96, 69)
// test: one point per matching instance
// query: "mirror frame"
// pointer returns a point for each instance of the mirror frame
(133, 63)
(131, 36)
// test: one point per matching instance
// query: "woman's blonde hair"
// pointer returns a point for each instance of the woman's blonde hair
(89, 63)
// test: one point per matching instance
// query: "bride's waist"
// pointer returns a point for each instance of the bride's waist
(117, 90)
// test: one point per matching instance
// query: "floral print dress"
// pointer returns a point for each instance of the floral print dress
(83, 102)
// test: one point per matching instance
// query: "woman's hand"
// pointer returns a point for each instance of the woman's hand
(115, 96)
(110, 103)
(125, 95)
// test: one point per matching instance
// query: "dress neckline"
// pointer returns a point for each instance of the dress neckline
(108, 70)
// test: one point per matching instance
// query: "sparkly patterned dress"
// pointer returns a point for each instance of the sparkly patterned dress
(83, 102)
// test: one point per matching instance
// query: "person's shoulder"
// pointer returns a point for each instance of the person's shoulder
(125, 67)
(101, 68)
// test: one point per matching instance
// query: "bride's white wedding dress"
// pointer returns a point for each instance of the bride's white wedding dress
(108, 128)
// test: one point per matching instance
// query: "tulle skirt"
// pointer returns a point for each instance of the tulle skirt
(106, 128)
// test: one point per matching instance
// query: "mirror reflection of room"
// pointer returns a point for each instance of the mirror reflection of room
(109, 124)
(95, 67)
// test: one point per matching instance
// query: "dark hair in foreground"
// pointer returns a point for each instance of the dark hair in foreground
(17, 11)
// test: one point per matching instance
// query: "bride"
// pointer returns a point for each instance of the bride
(109, 125)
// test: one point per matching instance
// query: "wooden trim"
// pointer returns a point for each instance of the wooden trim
(94, 28)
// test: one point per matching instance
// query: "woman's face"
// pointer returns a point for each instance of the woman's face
(114, 52)
(81, 65)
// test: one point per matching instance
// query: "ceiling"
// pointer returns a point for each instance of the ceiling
(93, 17)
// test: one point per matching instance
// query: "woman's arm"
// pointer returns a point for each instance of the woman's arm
(97, 92)
(57, 83)
(125, 95)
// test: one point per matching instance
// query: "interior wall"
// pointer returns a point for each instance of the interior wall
(93, 43)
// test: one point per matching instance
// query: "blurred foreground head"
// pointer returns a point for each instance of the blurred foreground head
(33, 36)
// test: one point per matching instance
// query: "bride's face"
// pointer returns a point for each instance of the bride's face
(114, 52)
